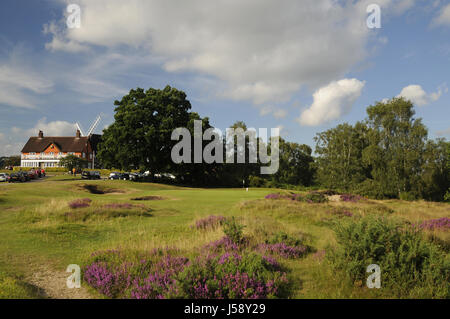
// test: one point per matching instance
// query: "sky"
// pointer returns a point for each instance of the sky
(302, 66)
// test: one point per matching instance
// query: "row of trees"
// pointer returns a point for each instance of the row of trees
(386, 155)
(8, 161)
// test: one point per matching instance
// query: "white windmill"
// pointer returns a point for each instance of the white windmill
(89, 133)
(91, 128)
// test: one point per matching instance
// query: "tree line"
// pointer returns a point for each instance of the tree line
(387, 155)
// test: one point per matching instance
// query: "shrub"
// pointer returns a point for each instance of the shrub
(233, 230)
(160, 274)
(315, 197)
(447, 196)
(161, 282)
(256, 181)
(372, 189)
(407, 196)
(409, 264)
(282, 237)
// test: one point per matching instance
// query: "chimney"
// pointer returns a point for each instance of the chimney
(78, 135)
(41, 134)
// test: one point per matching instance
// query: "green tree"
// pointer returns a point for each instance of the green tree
(296, 164)
(71, 161)
(12, 161)
(339, 152)
(397, 147)
(436, 170)
(140, 137)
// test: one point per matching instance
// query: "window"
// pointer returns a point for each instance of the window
(51, 153)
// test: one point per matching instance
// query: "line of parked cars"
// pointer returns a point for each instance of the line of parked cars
(126, 176)
(138, 176)
(22, 176)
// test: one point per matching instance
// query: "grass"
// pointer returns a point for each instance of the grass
(38, 226)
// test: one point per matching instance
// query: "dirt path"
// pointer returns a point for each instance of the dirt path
(52, 284)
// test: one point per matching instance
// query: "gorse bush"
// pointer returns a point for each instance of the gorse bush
(233, 230)
(282, 237)
(409, 264)
(447, 196)
(315, 197)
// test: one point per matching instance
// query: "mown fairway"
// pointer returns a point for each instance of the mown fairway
(40, 231)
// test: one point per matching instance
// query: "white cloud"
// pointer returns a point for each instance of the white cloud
(276, 112)
(264, 51)
(13, 142)
(443, 19)
(280, 114)
(16, 84)
(59, 41)
(331, 102)
(53, 128)
(416, 94)
(403, 5)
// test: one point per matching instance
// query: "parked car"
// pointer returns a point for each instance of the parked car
(25, 175)
(18, 177)
(125, 176)
(114, 175)
(90, 175)
(4, 177)
(136, 176)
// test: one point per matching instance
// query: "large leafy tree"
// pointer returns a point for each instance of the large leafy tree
(436, 170)
(296, 164)
(140, 137)
(71, 161)
(11, 161)
(339, 152)
(397, 147)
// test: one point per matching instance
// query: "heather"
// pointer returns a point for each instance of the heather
(80, 203)
(436, 224)
(339, 212)
(118, 274)
(45, 227)
(233, 276)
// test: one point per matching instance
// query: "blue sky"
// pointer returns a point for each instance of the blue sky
(301, 66)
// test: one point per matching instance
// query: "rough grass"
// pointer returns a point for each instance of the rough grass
(37, 223)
